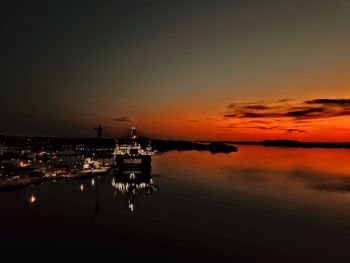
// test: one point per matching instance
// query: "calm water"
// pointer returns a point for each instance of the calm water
(259, 204)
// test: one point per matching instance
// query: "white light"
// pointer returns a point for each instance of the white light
(32, 199)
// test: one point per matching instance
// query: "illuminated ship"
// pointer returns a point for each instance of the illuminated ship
(133, 152)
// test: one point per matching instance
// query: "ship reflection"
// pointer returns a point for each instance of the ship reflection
(132, 183)
(129, 183)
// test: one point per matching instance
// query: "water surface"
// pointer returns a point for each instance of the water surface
(258, 204)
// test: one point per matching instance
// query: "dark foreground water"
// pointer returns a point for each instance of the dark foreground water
(259, 204)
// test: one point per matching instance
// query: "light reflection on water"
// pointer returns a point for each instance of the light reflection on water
(276, 204)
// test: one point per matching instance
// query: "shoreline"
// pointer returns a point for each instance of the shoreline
(11, 184)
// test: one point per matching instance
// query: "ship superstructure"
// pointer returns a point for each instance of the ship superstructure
(133, 151)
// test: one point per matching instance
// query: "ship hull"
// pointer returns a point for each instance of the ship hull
(125, 161)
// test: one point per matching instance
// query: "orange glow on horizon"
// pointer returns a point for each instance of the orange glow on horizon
(160, 127)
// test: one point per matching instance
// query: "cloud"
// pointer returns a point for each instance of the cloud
(256, 107)
(287, 115)
(122, 119)
(260, 122)
(271, 128)
(285, 100)
(299, 110)
(294, 130)
(330, 101)
(230, 115)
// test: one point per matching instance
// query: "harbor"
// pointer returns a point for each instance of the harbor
(27, 161)
(22, 166)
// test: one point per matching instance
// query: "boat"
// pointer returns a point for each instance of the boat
(101, 170)
(91, 168)
(133, 152)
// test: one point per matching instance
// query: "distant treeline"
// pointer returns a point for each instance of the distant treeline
(213, 147)
(293, 143)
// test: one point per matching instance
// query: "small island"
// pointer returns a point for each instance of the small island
(291, 144)
(213, 147)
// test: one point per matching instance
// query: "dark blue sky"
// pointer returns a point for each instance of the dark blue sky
(69, 65)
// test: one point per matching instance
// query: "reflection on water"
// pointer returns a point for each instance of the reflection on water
(132, 183)
(128, 183)
(32, 199)
(256, 205)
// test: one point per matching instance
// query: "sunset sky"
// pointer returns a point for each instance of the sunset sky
(213, 70)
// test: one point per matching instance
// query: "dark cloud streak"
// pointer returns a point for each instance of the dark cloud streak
(286, 114)
(311, 109)
(330, 101)
(122, 119)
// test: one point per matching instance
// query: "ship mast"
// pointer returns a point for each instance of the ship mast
(133, 133)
